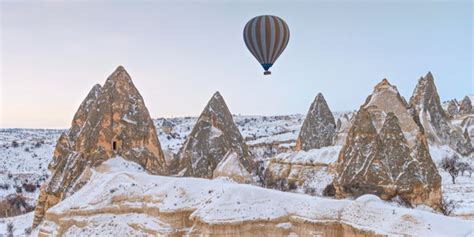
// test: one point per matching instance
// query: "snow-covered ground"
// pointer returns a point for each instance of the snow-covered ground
(324, 156)
(120, 185)
(24, 158)
(462, 192)
(21, 224)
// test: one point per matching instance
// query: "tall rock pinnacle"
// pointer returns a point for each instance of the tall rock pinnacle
(387, 154)
(466, 106)
(213, 136)
(319, 127)
(111, 121)
(426, 103)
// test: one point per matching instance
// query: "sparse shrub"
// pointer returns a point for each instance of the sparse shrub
(402, 202)
(27, 149)
(292, 186)
(18, 189)
(15, 144)
(4, 186)
(29, 187)
(454, 174)
(447, 163)
(329, 190)
(450, 164)
(463, 166)
(10, 229)
(448, 206)
(311, 191)
(13, 205)
(28, 231)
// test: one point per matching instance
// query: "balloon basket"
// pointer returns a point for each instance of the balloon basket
(267, 73)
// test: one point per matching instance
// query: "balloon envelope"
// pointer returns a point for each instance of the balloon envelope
(266, 37)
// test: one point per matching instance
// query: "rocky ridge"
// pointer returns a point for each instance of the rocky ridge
(386, 153)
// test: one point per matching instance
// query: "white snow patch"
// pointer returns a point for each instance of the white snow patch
(324, 156)
(221, 202)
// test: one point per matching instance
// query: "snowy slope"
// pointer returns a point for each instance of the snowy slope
(24, 158)
(109, 198)
(325, 156)
(463, 191)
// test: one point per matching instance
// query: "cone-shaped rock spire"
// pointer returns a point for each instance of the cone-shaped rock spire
(213, 136)
(111, 121)
(466, 106)
(319, 127)
(386, 153)
(426, 103)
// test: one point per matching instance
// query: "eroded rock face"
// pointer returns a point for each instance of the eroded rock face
(214, 134)
(466, 106)
(467, 126)
(231, 167)
(386, 153)
(319, 127)
(342, 129)
(452, 109)
(426, 103)
(300, 171)
(111, 121)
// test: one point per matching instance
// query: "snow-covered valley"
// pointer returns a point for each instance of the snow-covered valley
(23, 161)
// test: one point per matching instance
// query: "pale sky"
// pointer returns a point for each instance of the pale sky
(180, 52)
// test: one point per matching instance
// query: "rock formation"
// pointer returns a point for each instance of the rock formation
(342, 129)
(466, 106)
(213, 136)
(319, 127)
(467, 126)
(167, 126)
(426, 104)
(302, 171)
(452, 108)
(111, 121)
(386, 153)
(231, 167)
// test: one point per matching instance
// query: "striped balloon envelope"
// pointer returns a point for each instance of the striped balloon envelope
(266, 37)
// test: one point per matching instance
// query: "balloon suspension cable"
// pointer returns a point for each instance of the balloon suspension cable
(267, 73)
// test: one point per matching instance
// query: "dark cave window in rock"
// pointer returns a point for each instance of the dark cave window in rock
(114, 145)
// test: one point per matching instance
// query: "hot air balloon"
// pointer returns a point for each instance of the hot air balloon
(266, 37)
